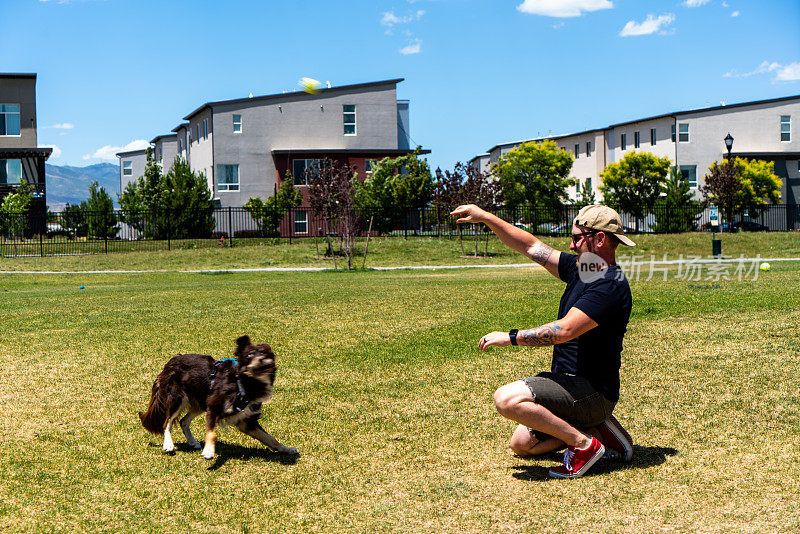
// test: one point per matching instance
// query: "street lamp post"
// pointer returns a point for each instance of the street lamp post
(716, 244)
(729, 143)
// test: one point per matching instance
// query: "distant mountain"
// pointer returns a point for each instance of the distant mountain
(70, 185)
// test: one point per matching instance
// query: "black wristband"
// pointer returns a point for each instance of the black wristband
(513, 335)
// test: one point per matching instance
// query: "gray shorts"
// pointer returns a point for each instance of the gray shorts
(570, 397)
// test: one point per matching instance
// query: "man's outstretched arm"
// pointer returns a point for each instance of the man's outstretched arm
(569, 327)
(516, 238)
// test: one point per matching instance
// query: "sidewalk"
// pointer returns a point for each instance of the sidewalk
(400, 268)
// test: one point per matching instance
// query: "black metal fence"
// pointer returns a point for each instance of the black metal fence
(66, 233)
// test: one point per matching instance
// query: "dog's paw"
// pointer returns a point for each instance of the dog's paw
(196, 445)
(289, 450)
(169, 448)
(208, 455)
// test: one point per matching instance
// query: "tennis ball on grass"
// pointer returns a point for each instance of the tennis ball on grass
(765, 266)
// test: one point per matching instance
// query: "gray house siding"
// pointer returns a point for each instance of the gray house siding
(20, 90)
(297, 122)
(137, 160)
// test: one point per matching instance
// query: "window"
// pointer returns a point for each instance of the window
(689, 173)
(673, 133)
(180, 145)
(623, 141)
(227, 177)
(205, 128)
(368, 165)
(588, 148)
(636, 140)
(127, 168)
(786, 124)
(653, 136)
(577, 150)
(301, 222)
(237, 124)
(197, 132)
(158, 154)
(299, 168)
(349, 118)
(10, 171)
(9, 119)
(578, 187)
(588, 184)
(683, 132)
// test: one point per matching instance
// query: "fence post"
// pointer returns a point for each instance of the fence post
(42, 230)
(291, 224)
(169, 230)
(230, 227)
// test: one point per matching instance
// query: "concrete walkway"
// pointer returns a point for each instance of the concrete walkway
(409, 267)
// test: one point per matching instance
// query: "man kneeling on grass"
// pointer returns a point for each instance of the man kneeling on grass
(572, 404)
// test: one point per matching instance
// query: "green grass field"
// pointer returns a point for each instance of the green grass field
(396, 251)
(382, 388)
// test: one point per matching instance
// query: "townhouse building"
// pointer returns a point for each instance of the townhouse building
(246, 147)
(21, 159)
(692, 140)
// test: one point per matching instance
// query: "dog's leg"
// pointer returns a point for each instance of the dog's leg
(211, 435)
(253, 429)
(187, 431)
(169, 445)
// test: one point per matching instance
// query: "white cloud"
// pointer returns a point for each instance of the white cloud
(788, 73)
(62, 126)
(558, 25)
(735, 14)
(695, 3)
(725, 4)
(783, 73)
(110, 152)
(562, 8)
(56, 151)
(648, 26)
(390, 19)
(412, 48)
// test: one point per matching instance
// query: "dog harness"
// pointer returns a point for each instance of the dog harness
(241, 401)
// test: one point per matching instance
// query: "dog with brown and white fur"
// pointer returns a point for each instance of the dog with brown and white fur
(228, 393)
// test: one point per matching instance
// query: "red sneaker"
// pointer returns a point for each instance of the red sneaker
(578, 461)
(614, 436)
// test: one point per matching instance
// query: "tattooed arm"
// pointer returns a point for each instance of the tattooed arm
(516, 238)
(569, 327)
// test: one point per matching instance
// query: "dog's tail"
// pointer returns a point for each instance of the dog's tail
(154, 419)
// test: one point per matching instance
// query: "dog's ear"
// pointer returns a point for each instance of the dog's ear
(242, 343)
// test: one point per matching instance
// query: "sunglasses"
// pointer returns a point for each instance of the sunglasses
(577, 237)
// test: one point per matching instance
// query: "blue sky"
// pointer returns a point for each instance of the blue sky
(478, 73)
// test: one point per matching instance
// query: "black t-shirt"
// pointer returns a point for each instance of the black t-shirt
(594, 355)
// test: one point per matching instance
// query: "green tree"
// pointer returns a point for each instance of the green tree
(396, 186)
(536, 173)
(633, 184)
(73, 220)
(268, 215)
(99, 210)
(739, 184)
(14, 209)
(587, 197)
(677, 211)
(178, 205)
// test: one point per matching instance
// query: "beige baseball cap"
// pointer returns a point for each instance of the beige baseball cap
(604, 219)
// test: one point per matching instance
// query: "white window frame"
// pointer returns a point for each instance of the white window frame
(3, 115)
(588, 148)
(205, 128)
(788, 132)
(368, 164)
(345, 123)
(127, 168)
(689, 169)
(237, 123)
(228, 186)
(300, 220)
(683, 126)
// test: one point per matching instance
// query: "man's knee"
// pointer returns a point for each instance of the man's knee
(508, 397)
